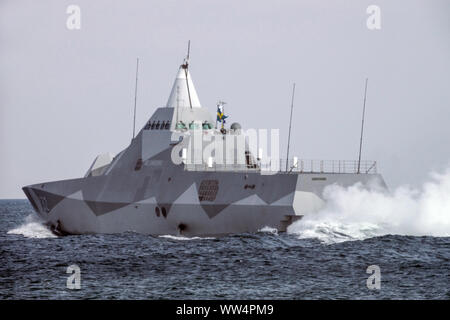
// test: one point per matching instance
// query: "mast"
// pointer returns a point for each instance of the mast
(217, 112)
(135, 97)
(290, 124)
(223, 112)
(362, 127)
(185, 66)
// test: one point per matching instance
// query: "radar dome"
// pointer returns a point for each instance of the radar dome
(236, 126)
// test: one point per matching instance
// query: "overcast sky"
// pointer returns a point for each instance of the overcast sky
(67, 95)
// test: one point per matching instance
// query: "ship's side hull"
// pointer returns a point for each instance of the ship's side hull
(174, 201)
(74, 217)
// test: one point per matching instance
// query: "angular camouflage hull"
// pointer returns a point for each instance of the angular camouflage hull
(176, 202)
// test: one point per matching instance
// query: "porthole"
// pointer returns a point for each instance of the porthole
(157, 211)
(167, 127)
(163, 124)
(164, 212)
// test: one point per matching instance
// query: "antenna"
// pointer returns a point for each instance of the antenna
(362, 127)
(290, 124)
(189, 49)
(185, 66)
(178, 104)
(135, 96)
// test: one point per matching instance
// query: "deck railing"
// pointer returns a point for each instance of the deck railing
(293, 165)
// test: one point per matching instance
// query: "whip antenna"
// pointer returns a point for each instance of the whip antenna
(135, 96)
(290, 124)
(362, 127)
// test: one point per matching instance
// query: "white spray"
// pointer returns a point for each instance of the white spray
(33, 227)
(355, 213)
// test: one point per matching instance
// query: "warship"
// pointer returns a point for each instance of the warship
(159, 185)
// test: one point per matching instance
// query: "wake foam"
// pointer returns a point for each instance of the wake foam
(356, 213)
(33, 227)
(182, 238)
(267, 229)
